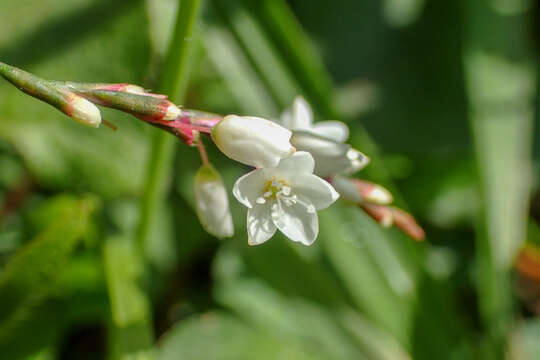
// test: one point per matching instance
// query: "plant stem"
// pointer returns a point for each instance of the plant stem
(173, 83)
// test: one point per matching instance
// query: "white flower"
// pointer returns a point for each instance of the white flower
(286, 198)
(253, 141)
(212, 203)
(324, 140)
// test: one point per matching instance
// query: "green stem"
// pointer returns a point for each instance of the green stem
(173, 83)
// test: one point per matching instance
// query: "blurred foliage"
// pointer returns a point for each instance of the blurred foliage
(440, 94)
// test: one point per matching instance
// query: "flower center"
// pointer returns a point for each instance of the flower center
(280, 191)
(275, 189)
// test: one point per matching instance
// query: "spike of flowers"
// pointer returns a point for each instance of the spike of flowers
(283, 193)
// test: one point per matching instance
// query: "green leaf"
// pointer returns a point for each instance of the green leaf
(218, 336)
(30, 275)
(376, 278)
(131, 332)
(502, 88)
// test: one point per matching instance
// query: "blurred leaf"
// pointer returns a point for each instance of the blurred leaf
(524, 343)
(32, 272)
(377, 344)
(131, 332)
(380, 284)
(287, 317)
(224, 51)
(501, 85)
(217, 336)
(317, 326)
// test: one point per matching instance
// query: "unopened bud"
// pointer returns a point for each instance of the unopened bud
(172, 112)
(372, 192)
(406, 222)
(357, 191)
(83, 111)
(212, 203)
(252, 140)
(380, 213)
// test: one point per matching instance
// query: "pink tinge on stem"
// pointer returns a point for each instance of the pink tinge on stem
(186, 125)
(407, 223)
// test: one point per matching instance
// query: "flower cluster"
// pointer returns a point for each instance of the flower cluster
(285, 191)
(300, 166)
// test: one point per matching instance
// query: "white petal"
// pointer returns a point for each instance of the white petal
(298, 221)
(249, 187)
(302, 114)
(318, 145)
(299, 116)
(299, 162)
(320, 193)
(259, 224)
(335, 130)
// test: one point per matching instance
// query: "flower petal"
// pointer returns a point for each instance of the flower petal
(332, 129)
(302, 114)
(259, 224)
(320, 193)
(299, 162)
(298, 116)
(297, 221)
(249, 187)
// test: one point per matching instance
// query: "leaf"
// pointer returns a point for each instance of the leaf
(218, 336)
(380, 284)
(131, 332)
(502, 89)
(30, 275)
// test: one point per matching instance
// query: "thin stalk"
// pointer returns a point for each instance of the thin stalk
(173, 83)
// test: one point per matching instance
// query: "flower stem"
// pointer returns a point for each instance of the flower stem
(173, 83)
(202, 151)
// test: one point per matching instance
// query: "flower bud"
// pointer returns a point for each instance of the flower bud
(331, 157)
(211, 203)
(406, 223)
(372, 192)
(380, 213)
(83, 111)
(172, 112)
(252, 140)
